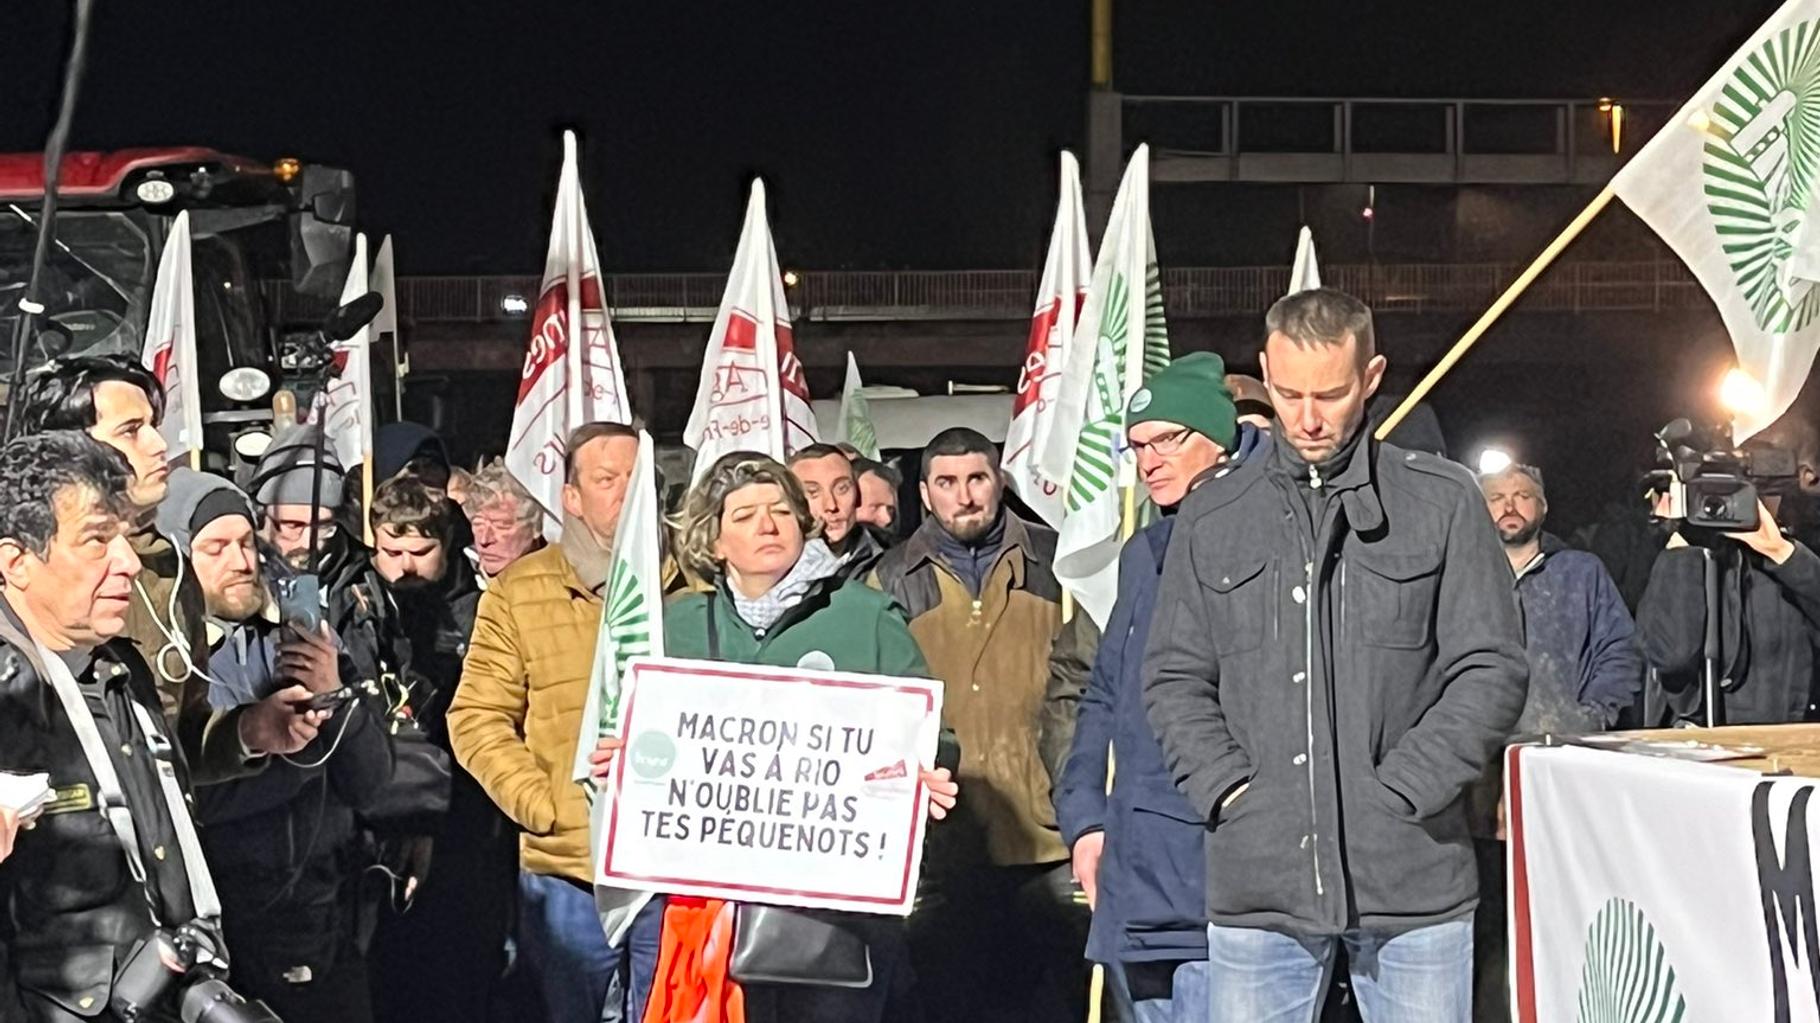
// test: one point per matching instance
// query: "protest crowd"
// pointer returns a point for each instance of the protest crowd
(1275, 760)
(1194, 692)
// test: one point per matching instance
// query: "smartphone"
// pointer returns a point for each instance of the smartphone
(327, 701)
(300, 602)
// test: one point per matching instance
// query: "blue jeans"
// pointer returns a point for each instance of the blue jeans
(561, 939)
(1186, 983)
(1419, 976)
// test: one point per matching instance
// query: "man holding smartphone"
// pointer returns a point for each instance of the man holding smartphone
(283, 842)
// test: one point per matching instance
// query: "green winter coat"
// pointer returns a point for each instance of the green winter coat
(858, 629)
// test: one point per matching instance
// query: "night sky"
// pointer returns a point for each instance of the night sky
(913, 135)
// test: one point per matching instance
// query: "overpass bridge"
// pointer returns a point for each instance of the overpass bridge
(473, 323)
(1591, 327)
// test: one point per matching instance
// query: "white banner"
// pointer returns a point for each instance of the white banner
(1730, 184)
(564, 385)
(170, 343)
(1066, 271)
(349, 412)
(1650, 889)
(777, 785)
(753, 394)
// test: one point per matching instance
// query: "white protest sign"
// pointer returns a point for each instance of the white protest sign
(777, 785)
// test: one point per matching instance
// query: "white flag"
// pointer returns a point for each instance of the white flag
(349, 411)
(385, 325)
(170, 343)
(565, 385)
(1304, 274)
(1058, 306)
(1731, 185)
(631, 625)
(753, 394)
(1122, 341)
(856, 413)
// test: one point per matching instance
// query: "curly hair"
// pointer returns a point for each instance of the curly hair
(61, 396)
(407, 505)
(491, 483)
(39, 469)
(697, 525)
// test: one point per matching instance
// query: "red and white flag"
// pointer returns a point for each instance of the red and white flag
(349, 400)
(1058, 307)
(564, 385)
(384, 280)
(170, 343)
(753, 394)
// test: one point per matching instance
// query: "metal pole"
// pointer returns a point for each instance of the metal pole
(1709, 661)
(31, 304)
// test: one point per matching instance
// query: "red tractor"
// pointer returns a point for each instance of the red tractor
(259, 230)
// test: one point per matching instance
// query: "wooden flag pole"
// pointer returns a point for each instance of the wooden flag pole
(1498, 308)
(196, 459)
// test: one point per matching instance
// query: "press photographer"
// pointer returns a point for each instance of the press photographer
(109, 909)
(1729, 619)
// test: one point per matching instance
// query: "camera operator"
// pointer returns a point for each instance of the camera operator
(285, 843)
(1768, 614)
(107, 900)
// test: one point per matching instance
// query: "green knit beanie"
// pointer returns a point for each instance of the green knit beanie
(1190, 391)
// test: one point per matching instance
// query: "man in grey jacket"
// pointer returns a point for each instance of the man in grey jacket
(1336, 655)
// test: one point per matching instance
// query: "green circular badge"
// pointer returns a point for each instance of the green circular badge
(653, 754)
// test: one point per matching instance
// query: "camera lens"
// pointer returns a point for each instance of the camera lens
(1715, 508)
(211, 1001)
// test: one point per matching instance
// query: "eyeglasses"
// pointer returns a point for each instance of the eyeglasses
(1167, 444)
(297, 529)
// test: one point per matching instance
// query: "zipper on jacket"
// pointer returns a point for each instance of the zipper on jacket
(1308, 684)
(1314, 812)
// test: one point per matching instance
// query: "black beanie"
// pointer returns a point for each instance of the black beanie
(217, 503)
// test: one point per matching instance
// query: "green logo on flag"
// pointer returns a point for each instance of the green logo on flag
(1627, 977)
(628, 628)
(1762, 148)
(1096, 455)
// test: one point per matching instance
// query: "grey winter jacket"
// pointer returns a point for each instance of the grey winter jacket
(1357, 672)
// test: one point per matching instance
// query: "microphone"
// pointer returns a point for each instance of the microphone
(347, 320)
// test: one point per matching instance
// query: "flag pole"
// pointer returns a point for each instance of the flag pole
(366, 499)
(1498, 308)
(196, 459)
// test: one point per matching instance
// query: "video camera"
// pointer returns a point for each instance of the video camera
(1712, 483)
(182, 965)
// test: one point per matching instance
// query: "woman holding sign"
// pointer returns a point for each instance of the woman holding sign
(777, 601)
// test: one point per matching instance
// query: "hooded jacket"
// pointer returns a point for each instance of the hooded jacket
(1343, 641)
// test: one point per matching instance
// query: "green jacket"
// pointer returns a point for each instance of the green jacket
(858, 629)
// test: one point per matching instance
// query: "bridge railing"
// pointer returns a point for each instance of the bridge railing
(1009, 294)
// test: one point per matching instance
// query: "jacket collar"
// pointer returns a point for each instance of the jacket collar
(1355, 482)
(924, 546)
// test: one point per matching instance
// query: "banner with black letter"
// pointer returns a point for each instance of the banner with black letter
(1652, 889)
(778, 785)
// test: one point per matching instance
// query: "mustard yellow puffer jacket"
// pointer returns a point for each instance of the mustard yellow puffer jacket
(517, 713)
